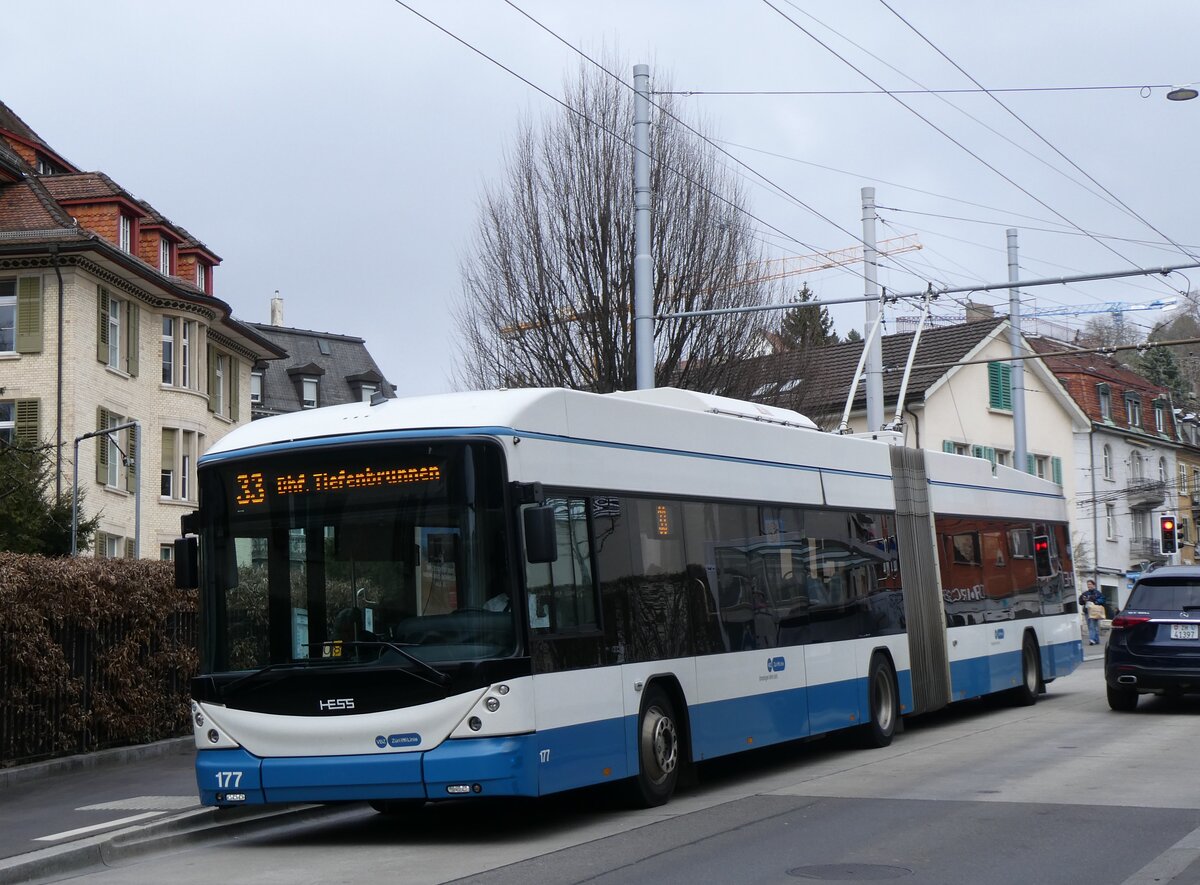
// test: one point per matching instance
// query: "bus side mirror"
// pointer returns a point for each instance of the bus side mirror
(187, 563)
(541, 541)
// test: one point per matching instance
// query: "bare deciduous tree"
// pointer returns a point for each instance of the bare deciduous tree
(548, 283)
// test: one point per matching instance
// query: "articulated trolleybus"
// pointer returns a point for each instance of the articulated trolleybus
(519, 592)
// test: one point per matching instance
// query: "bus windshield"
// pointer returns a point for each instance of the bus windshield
(368, 554)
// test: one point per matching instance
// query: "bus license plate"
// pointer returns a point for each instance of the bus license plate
(1185, 631)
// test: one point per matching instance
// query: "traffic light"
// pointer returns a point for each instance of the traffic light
(1041, 556)
(1168, 537)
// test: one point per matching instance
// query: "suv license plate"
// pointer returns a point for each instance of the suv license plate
(1185, 631)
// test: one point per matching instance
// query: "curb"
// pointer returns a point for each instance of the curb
(194, 826)
(20, 774)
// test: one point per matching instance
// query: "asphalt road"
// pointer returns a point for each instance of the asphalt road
(1062, 792)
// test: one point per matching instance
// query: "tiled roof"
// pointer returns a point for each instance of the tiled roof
(83, 186)
(14, 124)
(825, 374)
(1082, 374)
(347, 360)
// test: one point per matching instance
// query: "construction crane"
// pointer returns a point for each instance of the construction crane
(772, 269)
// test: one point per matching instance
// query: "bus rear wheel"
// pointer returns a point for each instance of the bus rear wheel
(883, 705)
(658, 751)
(1025, 694)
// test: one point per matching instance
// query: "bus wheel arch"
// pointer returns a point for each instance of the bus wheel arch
(662, 742)
(883, 702)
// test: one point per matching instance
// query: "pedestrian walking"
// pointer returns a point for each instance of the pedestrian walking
(1092, 603)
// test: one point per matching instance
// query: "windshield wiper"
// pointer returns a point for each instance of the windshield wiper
(440, 677)
(281, 665)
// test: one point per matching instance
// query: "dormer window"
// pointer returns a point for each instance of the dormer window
(368, 391)
(125, 233)
(1160, 416)
(309, 395)
(1105, 395)
(256, 384)
(1133, 409)
(166, 255)
(202, 276)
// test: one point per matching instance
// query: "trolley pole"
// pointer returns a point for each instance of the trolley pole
(643, 266)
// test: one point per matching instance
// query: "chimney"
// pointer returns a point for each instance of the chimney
(977, 311)
(276, 310)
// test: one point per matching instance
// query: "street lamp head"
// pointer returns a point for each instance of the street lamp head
(1182, 93)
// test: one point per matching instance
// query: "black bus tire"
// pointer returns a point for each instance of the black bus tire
(658, 751)
(883, 705)
(1026, 694)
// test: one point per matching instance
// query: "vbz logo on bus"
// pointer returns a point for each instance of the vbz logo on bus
(776, 665)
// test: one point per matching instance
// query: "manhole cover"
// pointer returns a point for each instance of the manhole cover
(850, 872)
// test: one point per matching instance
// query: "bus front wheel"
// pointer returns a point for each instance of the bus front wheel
(883, 704)
(658, 750)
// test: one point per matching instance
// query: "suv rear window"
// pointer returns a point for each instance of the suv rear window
(1173, 593)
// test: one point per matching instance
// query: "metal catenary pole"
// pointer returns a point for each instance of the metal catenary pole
(1018, 366)
(871, 291)
(643, 265)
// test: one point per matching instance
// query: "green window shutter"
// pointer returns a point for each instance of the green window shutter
(130, 553)
(212, 377)
(168, 449)
(235, 388)
(132, 319)
(990, 453)
(26, 432)
(976, 451)
(101, 544)
(102, 421)
(1056, 469)
(1000, 386)
(948, 446)
(102, 324)
(29, 315)
(133, 444)
(1030, 465)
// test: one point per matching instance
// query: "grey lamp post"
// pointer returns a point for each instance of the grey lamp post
(137, 484)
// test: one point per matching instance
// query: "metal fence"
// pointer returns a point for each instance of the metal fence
(66, 688)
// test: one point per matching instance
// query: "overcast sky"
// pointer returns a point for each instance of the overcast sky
(335, 151)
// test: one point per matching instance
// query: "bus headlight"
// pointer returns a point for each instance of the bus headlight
(213, 735)
(199, 717)
(492, 704)
(474, 724)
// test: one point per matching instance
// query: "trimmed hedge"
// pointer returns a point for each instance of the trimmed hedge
(94, 653)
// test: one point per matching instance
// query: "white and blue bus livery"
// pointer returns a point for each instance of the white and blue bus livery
(514, 593)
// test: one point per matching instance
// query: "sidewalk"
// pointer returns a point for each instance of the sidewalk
(1095, 652)
(68, 814)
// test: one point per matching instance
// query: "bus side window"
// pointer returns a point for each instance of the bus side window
(562, 594)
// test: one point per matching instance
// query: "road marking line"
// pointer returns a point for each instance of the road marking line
(112, 823)
(1170, 863)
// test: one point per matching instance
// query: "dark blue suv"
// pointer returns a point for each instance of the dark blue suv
(1154, 646)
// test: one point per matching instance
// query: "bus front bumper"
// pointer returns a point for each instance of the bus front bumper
(499, 766)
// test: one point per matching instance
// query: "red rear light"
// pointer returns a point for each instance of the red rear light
(1121, 621)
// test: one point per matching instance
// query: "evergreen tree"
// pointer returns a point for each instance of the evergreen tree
(806, 327)
(853, 335)
(32, 519)
(1158, 365)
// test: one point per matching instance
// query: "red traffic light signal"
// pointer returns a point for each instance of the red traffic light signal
(1168, 537)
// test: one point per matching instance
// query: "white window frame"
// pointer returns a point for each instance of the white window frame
(185, 353)
(1106, 460)
(185, 468)
(1110, 522)
(169, 325)
(1160, 416)
(125, 233)
(218, 395)
(1136, 468)
(201, 275)
(1105, 394)
(164, 256)
(256, 381)
(8, 316)
(113, 547)
(1183, 480)
(1133, 409)
(1162, 470)
(368, 391)
(307, 402)
(114, 332)
(8, 421)
(1041, 466)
